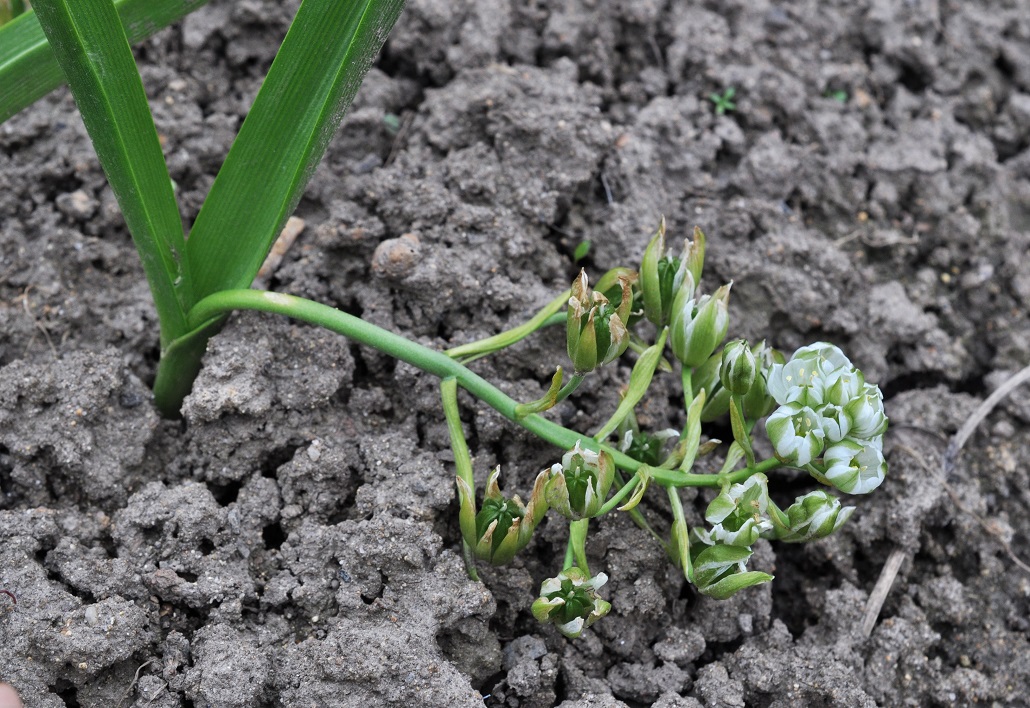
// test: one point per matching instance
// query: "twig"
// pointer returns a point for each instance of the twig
(39, 325)
(10, 595)
(984, 524)
(955, 446)
(135, 680)
(881, 590)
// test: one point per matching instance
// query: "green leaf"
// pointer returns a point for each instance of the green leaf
(93, 51)
(581, 251)
(729, 586)
(28, 67)
(328, 49)
(717, 571)
(644, 478)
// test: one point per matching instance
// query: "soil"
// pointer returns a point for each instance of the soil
(292, 540)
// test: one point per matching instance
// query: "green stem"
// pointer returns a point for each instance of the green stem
(578, 542)
(623, 492)
(462, 458)
(570, 557)
(439, 364)
(569, 388)
(544, 318)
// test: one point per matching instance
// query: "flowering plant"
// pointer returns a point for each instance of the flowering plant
(821, 417)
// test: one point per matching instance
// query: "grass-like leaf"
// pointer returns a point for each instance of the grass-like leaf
(93, 51)
(326, 53)
(28, 67)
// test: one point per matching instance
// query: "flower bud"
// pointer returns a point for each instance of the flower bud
(738, 370)
(814, 515)
(596, 330)
(757, 401)
(699, 326)
(739, 513)
(502, 527)
(663, 276)
(854, 467)
(570, 601)
(577, 487)
(796, 433)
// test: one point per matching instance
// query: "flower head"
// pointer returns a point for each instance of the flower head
(814, 515)
(570, 601)
(739, 513)
(796, 432)
(662, 276)
(503, 526)
(596, 328)
(698, 325)
(854, 467)
(578, 485)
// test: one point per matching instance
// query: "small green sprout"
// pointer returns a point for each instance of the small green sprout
(839, 95)
(392, 123)
(724, 102)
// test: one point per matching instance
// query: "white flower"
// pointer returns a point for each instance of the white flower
(796, 433)
(868, 421)
(855, 467)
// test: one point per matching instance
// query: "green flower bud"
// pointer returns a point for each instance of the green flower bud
(570, 601)
(663, 276)
(796, 433)
(738, 369)
(740, 513)
(758, 403)
(814, 515)
(578, 486)
(854, 467)
(596, 330)
(502, 527)
(699, 326)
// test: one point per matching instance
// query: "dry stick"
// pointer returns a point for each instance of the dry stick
(882, 588)
(955, 446)
(894, 561)
(974, 420)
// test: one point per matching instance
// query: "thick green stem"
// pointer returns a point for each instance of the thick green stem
(215, 306)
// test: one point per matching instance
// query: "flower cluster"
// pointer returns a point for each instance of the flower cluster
(829, 421)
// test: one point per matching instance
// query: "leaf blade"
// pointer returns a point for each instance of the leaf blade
(28, 67)
(326, 53)
(91, 46)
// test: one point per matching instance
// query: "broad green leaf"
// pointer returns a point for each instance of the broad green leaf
(718, 571)
(328, 49)
(93, 51)
(28, 67)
